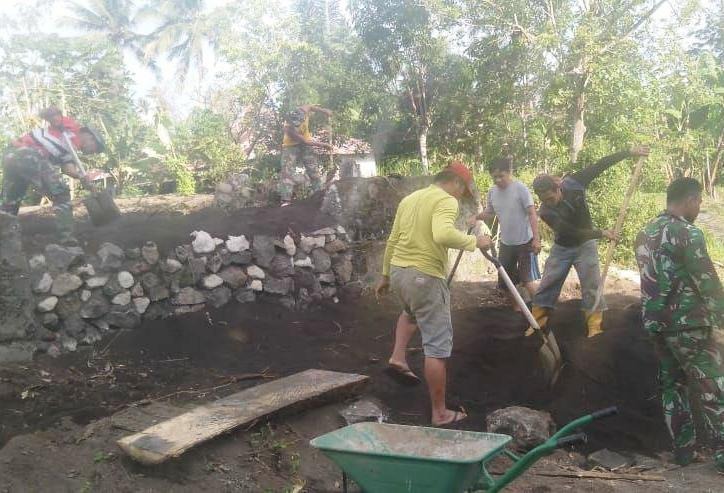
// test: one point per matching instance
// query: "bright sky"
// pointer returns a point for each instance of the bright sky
(54, 11)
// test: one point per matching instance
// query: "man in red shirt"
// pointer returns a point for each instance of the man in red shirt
(39, 157)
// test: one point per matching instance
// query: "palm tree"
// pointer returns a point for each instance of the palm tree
(111, 18)
(184, 33)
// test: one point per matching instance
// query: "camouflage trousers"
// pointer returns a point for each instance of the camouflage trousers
(691, 362)
(293, 157)
(24, 167)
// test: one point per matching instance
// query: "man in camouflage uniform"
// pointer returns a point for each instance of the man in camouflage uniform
(683, 305)
(298, 148)
(38, 158)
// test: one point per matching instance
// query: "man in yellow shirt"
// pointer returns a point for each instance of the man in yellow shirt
(297, 148)
(415, 266)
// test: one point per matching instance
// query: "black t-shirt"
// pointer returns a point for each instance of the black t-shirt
(570, 219)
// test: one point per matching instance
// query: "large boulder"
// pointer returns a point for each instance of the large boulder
(282, 266)
(65, 283)
(528, 427)
(123, 317)
(95, 307)
(233, 276)
(111, 256)
(321, 260)
(60, 258)
(264, 250)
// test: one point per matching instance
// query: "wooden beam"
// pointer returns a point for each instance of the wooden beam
(173, 437)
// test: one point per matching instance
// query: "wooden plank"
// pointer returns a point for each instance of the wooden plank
(173, 437)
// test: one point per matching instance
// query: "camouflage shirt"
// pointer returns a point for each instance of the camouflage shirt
(679, 287)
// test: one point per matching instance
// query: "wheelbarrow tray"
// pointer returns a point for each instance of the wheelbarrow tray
(387, 458)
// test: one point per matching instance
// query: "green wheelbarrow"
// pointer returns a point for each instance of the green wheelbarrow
(388, 458)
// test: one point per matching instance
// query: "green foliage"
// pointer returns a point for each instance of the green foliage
(185, 183)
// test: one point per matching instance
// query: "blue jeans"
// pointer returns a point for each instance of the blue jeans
(585, 260)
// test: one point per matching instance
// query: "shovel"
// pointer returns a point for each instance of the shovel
(549, 353)
(100, 205)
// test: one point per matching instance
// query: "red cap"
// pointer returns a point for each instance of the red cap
(464, 173)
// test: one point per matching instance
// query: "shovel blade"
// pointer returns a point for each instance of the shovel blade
(550, 358)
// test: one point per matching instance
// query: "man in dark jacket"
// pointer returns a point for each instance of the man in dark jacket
(565, 210)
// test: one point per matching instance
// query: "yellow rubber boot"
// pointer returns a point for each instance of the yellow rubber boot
(593, 322)
(540, 314)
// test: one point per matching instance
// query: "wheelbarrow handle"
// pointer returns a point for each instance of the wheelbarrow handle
(605, 413)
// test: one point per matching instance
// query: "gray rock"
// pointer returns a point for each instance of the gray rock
(46, 335)
(281, 266)
(219, 297)
(241, 258)
(16, 298)
(69, 306)
(608, 459)
(111, 256)
(141, 304)
(95, 307)
(37, 262)
(170, 266)
(17, 352)
(233, 276)
(96, 282)
(53, 351)
(323, 232)
(214, 263)
(48, 304)
(112, 287)
(123, 317)
(308, 243)
(43, 284)
(342, 266)
(61, 258)
(90, 336)
(68, 343)
(86, 270)
(245, 295)
(363, 410)
(321, 259)
(197, 266)
(329, 292)
(149, 252)
(50, 321)
(158, 293)
(255, 272)
(125, 279)
(74, 326)
(528, 427)
(100, 324)
(225, 256)
(335, 246)
(133, 253)
(264, 250)
(150, 280)
(327, 278)
(184, 252)
(189, 296)
(182, 310)
(305, 279)
(289, 246)
(278, 286)
(122, 298)
(65, 283)
(138, 267)
(212, 281)
(85, 295)
(137, 290)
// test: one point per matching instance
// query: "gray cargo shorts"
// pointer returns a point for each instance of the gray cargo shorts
(427, 300)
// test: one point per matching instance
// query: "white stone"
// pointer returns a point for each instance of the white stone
(48, 304)
(309, 243)
(341, 230)
(212, 281)
(141, 304)
(323, 231)
(256, 285)
(218, 241)
(85, 295)
(86, 269)
(96, 282)
(125, 279)
(122, 299)
(255, 272)
(65, 283)
(172, 265)
(69, 344)
(37, 261)
(44, 284)
(306, 262)
(237, 244)
(203, 243)
(289, 246)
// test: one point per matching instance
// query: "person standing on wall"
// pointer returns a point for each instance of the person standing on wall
(415, 266)
(298, 149)
(682, 304)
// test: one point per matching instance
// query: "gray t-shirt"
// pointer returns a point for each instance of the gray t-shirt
(511, 204)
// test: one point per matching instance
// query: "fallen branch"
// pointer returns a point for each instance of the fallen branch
(593, 475)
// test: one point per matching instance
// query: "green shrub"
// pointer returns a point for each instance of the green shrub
(185, 183)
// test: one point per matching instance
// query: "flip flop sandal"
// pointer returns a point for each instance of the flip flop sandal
(459, 416)
(402, 376)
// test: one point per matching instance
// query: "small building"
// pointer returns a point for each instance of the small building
(354, 157)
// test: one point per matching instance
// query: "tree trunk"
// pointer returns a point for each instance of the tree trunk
(713, 171)
(579, 125)
(422, 139)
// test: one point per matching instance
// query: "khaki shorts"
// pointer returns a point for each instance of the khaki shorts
(427, 300)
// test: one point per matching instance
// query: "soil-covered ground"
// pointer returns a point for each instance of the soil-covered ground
(60, 418)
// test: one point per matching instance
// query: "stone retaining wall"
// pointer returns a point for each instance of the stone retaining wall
(76, 295)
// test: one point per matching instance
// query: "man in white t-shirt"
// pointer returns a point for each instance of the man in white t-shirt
(512, 203)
